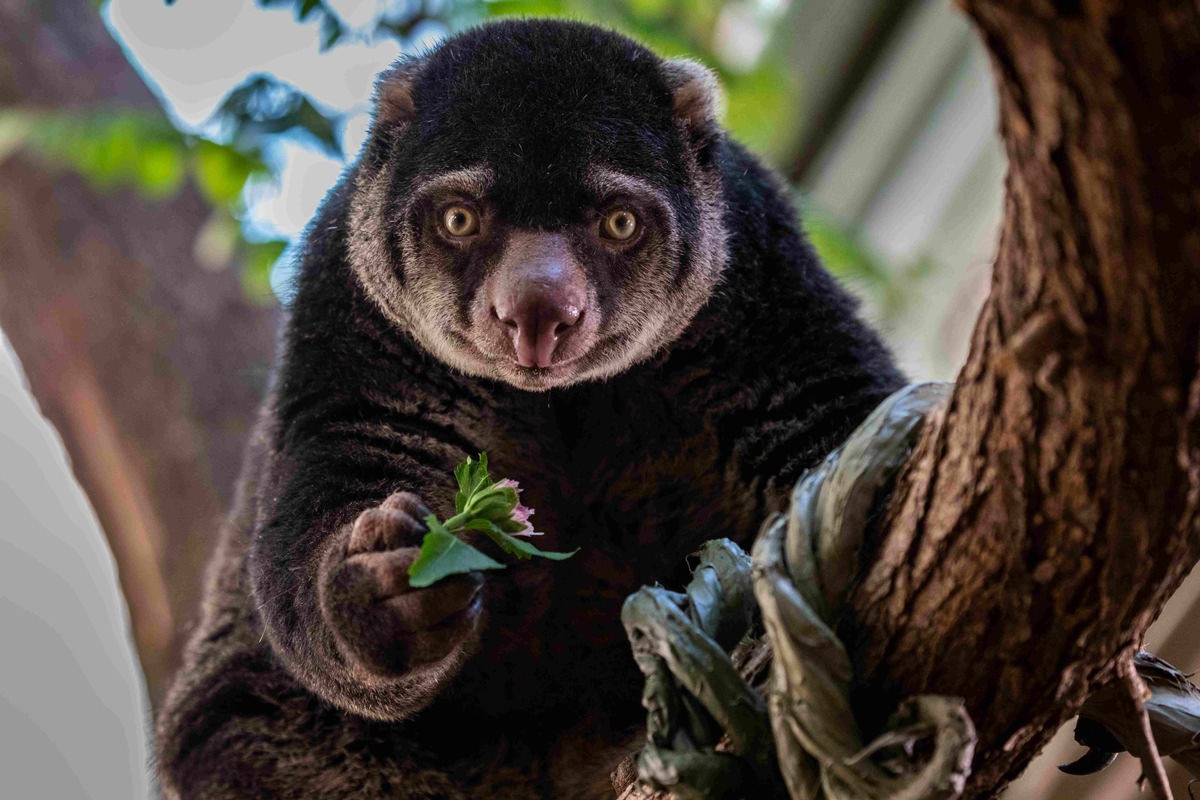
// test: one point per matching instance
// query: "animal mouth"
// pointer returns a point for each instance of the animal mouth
(504, 366)
(535, 370)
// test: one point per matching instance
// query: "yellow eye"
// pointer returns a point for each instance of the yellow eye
(460, 221)
(619, 224)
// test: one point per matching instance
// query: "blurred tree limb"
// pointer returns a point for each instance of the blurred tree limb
(148, 364)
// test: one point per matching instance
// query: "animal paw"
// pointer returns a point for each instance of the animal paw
(381, 622)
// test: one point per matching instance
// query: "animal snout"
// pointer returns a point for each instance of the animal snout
(537, 314)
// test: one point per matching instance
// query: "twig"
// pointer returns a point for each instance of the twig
(1147, 749)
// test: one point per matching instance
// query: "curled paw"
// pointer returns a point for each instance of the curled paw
(397, 522)
(380, 621)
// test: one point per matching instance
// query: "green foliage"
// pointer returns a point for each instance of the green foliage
(845, 254)
(842, 251)
(490, 507)
(138, 149)
(110, 149)
(527, 8)
(394, 19)
(257, 260)
(520, 548)
(262, 107)
(222, 171)
(757, 106)
(443, 554)
(141, 150)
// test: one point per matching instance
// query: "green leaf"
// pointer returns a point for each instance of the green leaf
(527, 8)
(444, 554)
(482, 505)
(521, 548)
(263, 106)
(222, 172)
(481, 478)
(757, 105)
(472, 476)
(110, 148)
(305, 8)
(462, 475)
(332, 31)
(160, 170)
(256, 268)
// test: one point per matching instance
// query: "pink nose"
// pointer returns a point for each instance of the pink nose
(537, 315)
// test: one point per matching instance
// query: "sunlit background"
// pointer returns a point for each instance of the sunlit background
(147, 345)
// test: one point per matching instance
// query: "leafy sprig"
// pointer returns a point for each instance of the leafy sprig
(493, 508)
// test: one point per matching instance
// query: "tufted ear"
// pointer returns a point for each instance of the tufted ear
(698, 99)
(395, 105)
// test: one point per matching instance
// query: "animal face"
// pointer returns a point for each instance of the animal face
(538, 202)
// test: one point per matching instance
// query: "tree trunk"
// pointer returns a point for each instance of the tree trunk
(1047, 515)
(1042, 521)
(149, 366)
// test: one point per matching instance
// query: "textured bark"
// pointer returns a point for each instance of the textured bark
(149, 366)
(1049, 513)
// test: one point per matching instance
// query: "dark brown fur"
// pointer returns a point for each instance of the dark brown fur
(724, 361)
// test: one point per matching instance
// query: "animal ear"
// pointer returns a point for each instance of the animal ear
(395, 105)
(698, 100)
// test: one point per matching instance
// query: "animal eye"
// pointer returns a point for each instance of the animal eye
(460, 221)
(619, 224)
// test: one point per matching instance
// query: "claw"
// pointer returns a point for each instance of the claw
(1103, 748)
(1089, 763)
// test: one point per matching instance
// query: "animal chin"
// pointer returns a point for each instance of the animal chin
(541, 378)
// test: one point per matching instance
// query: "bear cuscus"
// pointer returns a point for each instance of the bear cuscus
(549, 249)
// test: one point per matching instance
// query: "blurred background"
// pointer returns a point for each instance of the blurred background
(159, 160)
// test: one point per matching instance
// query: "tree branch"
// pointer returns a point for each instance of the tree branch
(1134, 698)
(1051, 510)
